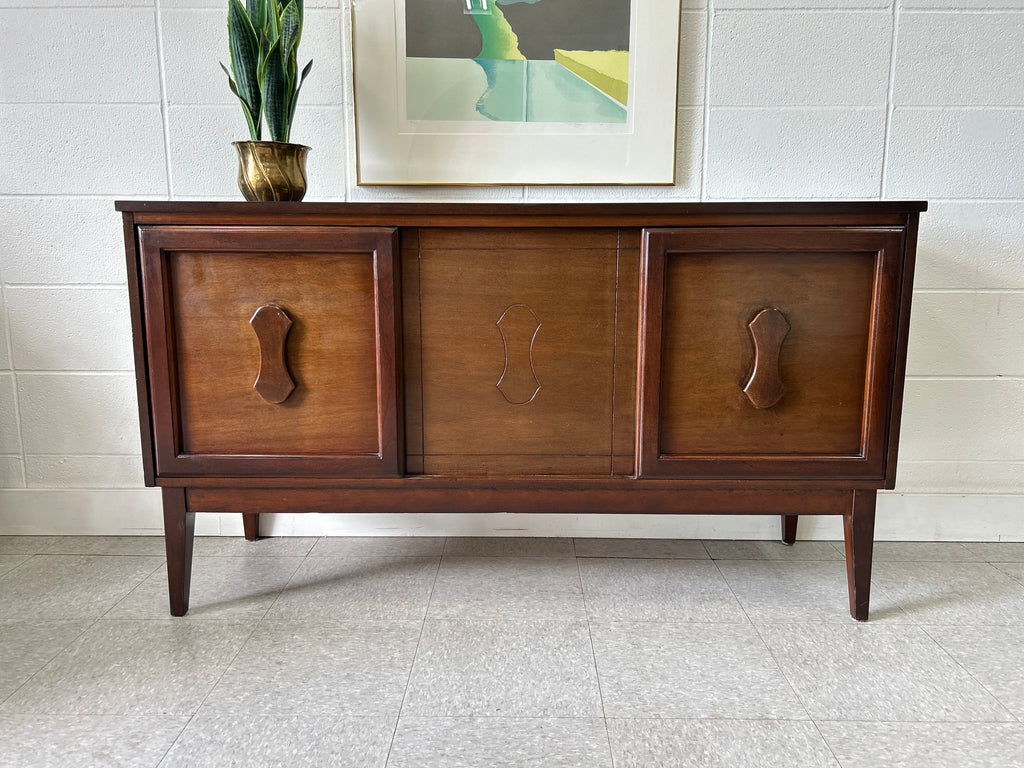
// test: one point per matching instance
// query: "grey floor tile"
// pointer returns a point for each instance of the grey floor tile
(504, 668)
(718, 744)
(71, 586)
(508, 546)
(952, 593)
(993, 655)
(27, 646)
(486, 742)
(132, 668)
(1014, 570)
(86, 741)
(237, 546)
(266, 741)
(773, 550)
(233, 588)
(358, 588)
(26, 545)
(690, 670)
(935, 745)
(293, 668)
(376, 546)
(152, 546)
(10, 562)
(997, 551)
(809, 591)
(657, 590)
(507, 587)
(690, 549)
(921, 551)
(879, 673)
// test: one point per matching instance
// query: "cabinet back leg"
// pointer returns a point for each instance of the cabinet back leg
(859, 532)
(179, 535)
(251, 525)
(789, 528)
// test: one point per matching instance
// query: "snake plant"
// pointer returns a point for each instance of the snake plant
(263, 37)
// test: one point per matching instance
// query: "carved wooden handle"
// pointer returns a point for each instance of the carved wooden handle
(768, 330)
(271, 324)
(518, 326)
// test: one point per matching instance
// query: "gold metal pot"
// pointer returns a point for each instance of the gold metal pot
(271, 170)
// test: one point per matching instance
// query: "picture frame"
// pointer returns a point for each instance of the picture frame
(450, 120)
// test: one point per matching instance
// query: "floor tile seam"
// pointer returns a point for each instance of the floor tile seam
(163, 757)
(771, 653)
(132, 591)
(412, 664)
(225, 670)
(970, 674)
(593, 656)
(49, 661)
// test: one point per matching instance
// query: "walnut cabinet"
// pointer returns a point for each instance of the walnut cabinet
(613, 358)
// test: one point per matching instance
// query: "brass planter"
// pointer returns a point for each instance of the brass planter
(271, 170)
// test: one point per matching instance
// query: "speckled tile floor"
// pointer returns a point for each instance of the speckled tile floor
(460, 653)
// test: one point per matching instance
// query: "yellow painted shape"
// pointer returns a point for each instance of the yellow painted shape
(605, 70)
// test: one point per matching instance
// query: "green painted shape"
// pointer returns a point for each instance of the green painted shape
(499, 41)
(555, 95)
(504, 98)
(606, 70)
(443, 89)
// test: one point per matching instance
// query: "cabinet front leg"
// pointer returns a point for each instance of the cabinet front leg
(789, 528)
(179, 534)
(859, 531)
(251, 525)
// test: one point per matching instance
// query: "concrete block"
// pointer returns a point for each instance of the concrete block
(12, 472)
(10, 438)
(971, 245)
(61, 240)
(962, 59)
(773, 59)
(83, 472)
(802, 4)
(91, 149)
(693, 43)
(956, 153)
(795, 153)
(79, 413)
(93, 55)
(960, 477)
(198, 79)
(205, 165)
(966, 334)
(963, 420)
(65, 328)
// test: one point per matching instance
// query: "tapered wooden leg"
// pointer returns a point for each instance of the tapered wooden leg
(251, 524)
(859, 530)
(179, 533)
(789, 528)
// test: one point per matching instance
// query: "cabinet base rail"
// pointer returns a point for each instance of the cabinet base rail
(856, 506)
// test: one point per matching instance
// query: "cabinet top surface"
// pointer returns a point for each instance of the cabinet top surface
(517, 214)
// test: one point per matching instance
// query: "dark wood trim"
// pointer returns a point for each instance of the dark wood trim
(179, 536)
(789, 524)
(859, 533)
(251, 525)
(135, 301)
(412, 497)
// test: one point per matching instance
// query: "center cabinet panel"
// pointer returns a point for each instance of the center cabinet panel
(280, 346)
(768, 352)
(522, 371)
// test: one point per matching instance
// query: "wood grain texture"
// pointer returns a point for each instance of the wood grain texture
(179, 536)
(701, 289)
(340, 290)
(273, 381)
(468, 282)
(859, 534)
(767, 330)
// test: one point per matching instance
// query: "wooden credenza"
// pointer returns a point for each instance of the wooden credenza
(621, 358)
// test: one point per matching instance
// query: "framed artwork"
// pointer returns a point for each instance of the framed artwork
(515, 91)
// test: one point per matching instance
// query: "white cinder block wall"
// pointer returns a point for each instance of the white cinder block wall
(778, 99)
